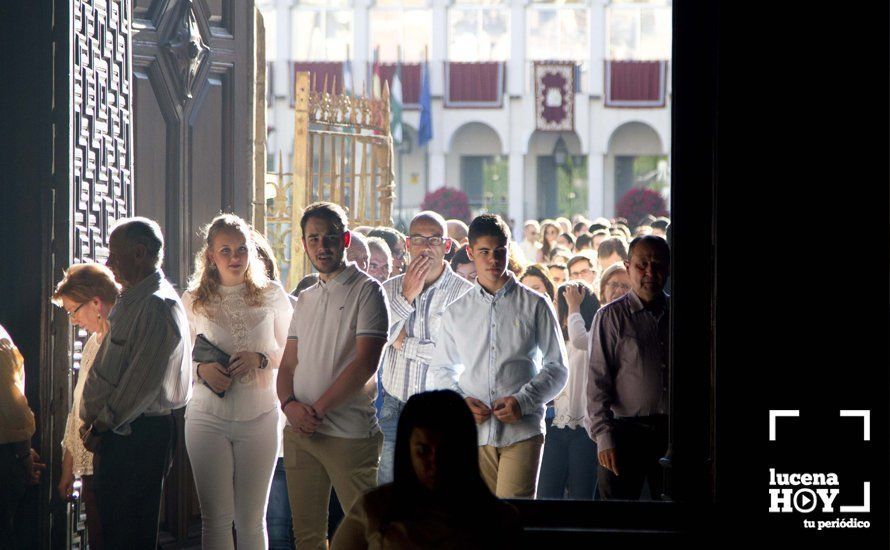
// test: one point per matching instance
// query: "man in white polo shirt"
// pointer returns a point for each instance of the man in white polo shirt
(327, 383)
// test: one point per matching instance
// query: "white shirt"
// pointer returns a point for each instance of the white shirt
(72, 444)
(530, 249)
(405, 370)
(328, 318)
(506, 344)
(570, 405)
(143, 364)
(232, 325)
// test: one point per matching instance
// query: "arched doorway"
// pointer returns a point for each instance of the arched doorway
(635, 158)
(557, 175)
(476, 165)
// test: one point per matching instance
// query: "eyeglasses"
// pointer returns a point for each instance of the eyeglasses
(614, 286)
(583, 273)
(420, 240)
(71, 314)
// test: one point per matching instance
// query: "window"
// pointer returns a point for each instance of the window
(322, 30)
(558, 31)
(639, 31)
(478, 31)
(405, 23)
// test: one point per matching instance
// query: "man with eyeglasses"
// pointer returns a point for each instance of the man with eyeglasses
(379, 259)
(627, 394)
(396, 243)
(417, 301)
(580, 268)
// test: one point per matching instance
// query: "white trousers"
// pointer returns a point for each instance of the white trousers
(233, 463)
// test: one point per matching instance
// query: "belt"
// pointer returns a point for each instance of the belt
(155, 414)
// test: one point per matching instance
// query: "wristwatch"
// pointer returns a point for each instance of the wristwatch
(265, 360)
(288, 400)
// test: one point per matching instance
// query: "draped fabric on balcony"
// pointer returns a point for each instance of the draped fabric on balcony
(635, 83)
(410, 82)
(474, 84)
(333, 70)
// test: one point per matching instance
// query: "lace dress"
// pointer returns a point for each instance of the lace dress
(72, 444)
(233, 325)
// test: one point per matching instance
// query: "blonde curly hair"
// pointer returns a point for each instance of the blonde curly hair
(204, 282)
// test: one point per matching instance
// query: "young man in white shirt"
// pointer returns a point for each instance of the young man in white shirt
(326, 382)
(501, 348)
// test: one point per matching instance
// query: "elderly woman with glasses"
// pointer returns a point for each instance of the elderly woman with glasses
(614, 283)
(87, 293)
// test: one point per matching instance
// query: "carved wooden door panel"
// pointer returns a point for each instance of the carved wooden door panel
(193, 85)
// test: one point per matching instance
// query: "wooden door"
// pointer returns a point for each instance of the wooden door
(193, 76)
(194, 95)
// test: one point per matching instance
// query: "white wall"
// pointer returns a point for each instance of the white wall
(507, 131)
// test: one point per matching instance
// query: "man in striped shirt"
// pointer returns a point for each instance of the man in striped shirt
(417, 300)
(143, 371)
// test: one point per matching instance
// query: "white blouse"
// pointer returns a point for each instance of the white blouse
(232, 326)
(571, 404)
(72, 444)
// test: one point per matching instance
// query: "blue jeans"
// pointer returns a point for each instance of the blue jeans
(389, 424)
(569, 462)
(278, 517)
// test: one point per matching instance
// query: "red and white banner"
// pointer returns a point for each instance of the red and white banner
(554, 95)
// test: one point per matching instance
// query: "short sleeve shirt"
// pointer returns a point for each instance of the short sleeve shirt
(328, 317)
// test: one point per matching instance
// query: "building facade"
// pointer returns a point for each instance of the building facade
(481, 55)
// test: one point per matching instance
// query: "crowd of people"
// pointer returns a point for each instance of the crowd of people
(409, 384)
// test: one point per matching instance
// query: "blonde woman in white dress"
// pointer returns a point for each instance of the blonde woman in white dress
(232, 441)
(87, 293)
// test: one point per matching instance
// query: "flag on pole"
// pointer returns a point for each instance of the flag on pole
(347, 75)
(376, 82)
(425, 129)
(395, 104)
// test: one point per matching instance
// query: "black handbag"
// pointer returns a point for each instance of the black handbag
(205, 352)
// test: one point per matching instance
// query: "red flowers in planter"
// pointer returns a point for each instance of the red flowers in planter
(638, 202)
(451, 203)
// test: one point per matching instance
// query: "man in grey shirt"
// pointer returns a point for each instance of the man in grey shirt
(142, 372)
(326, 381)
(627, 385)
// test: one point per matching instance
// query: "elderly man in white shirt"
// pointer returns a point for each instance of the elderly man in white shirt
(143, 371)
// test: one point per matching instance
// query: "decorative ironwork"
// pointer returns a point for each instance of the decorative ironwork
(358, 112)
(187, 49)
(342, 153)
(101, 149)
